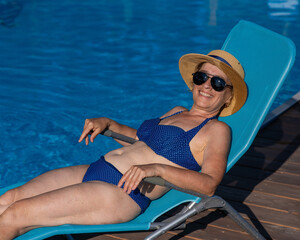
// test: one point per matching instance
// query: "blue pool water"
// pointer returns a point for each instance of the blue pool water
(64, 61)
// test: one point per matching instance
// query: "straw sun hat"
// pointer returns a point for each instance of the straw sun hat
(228, 64)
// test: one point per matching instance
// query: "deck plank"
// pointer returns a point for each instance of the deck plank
(268, 187)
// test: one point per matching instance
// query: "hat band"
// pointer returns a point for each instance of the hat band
(221, 59)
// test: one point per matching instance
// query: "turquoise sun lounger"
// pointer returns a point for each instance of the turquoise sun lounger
(267, 58)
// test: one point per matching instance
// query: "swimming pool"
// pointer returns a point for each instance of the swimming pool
(64, 61)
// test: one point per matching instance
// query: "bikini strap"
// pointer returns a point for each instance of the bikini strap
(171, 115)
(195, 130)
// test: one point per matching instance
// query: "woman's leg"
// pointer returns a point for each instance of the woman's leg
(46, 182)
(85, 203)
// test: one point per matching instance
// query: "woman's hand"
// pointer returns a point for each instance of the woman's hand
(133, 177)
(93, 127)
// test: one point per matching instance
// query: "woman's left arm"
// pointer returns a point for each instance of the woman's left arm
(213, 166)
(215, 156)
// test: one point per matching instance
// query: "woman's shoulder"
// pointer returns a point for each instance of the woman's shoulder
(174, 110)
(218, 128)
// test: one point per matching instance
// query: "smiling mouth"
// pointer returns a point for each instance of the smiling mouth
(205, 94)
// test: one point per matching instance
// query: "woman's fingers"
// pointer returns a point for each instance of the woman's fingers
(86, 130)
(132, 178)
(94, 134)
(91, 127)
(87, 140)
(124, 178)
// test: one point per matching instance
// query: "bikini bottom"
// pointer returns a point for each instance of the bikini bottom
(102, 170)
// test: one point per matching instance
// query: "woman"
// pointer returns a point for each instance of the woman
(174, 147)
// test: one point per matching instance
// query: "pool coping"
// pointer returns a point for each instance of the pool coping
(281, 109)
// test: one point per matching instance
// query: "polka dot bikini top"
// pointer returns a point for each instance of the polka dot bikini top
(171, 142)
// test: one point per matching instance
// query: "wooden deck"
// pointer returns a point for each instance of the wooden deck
(264, 186)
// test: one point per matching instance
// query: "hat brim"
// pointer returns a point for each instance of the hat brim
(187, 66)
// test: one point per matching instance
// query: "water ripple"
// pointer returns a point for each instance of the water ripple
(64, 61)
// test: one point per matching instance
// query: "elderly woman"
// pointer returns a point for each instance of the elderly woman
(174, 147)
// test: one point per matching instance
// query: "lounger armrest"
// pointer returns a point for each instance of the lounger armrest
(109, 133)
(156, 180)
(161, 182)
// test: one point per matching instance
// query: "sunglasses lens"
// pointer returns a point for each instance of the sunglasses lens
(199, 78)
(218, 84)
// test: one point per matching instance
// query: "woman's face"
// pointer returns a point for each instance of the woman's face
(205, 97)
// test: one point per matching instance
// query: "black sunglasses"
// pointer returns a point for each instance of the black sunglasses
(217, 83)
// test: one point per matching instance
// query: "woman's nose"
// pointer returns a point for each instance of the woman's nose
(207, 83)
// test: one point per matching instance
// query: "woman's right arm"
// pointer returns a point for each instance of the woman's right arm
(95, 126)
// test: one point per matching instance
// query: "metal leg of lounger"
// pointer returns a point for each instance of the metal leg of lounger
(204, 204)
(181, 226)
(69, 237)
(171, 225)
(194, 210)
(235, 216)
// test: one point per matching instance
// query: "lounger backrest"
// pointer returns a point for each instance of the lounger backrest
(267, 57)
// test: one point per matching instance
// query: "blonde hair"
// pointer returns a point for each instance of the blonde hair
(199, 66)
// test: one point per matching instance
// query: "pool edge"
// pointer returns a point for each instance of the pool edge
(281, 109)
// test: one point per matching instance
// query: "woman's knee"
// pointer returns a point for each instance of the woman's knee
(9, 197)
(14, 213)
(14, 218)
